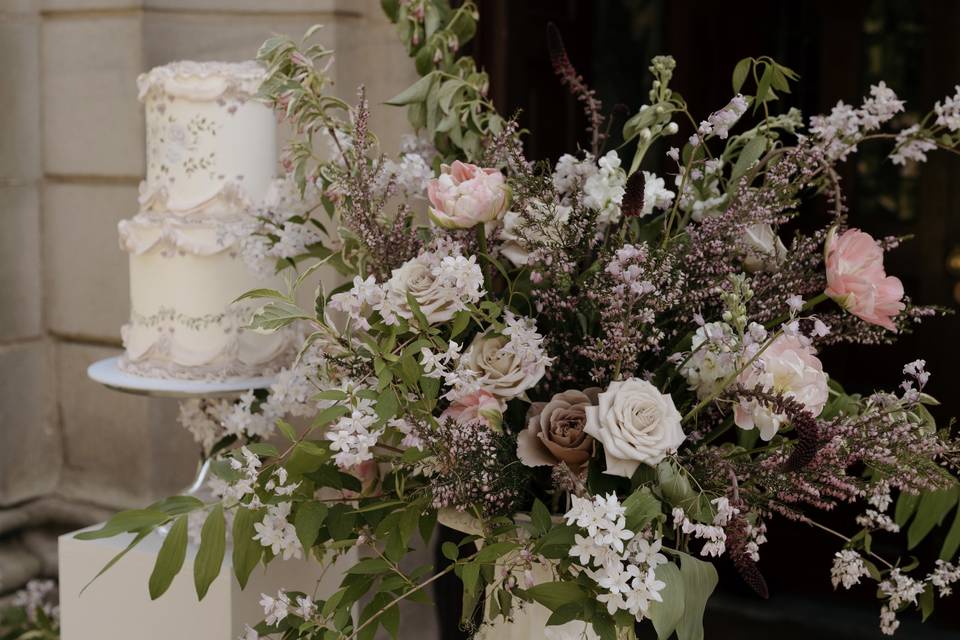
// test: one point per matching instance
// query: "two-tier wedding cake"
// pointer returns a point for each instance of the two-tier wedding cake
(211, 157)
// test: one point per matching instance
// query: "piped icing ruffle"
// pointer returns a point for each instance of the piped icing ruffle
(198, 237)
(166, 345)
(202, 80)
(228, 199)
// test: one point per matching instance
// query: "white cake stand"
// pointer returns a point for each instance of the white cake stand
(108, 373)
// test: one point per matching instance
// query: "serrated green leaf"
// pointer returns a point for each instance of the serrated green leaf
(540, 517)
(491, 552)
(246, 551)
(287, 430)
(309, 519)
(213, 544)
(417, 92)
(262, 293)
(369, 566)
(170, 558)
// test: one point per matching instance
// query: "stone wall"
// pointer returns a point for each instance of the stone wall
(71, 156)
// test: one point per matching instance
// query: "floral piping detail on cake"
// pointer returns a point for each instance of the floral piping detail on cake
(202, 80)
(177, 237)
(230, 198)
(155, 347)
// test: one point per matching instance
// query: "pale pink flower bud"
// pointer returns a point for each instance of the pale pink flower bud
(856, 279)
(480, 406)
(466, 195)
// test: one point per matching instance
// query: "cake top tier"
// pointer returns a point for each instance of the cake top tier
(202, 80)
(211, 146)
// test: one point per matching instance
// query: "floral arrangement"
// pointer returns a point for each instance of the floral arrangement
(32, 613)
(602, 375)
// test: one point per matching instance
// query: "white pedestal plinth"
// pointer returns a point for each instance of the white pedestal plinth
(117, 605)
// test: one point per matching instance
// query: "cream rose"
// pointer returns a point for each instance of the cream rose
(441, 283)
(555, 432)
(765, 250)
(635, 423)
(501, 372)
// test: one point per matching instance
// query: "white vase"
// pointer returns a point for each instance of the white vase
(528, 620)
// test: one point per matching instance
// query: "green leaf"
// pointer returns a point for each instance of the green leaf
(926, 602)
(699, 581)
(740, 75)
(450, 551)
(246, 551)
(641, 507)
(417, 92)
(763, 87)
(328, 415)
(952, 542)
(931, 511)
(213, 540)
(140, 536)
(262, 449)
(309, 519)
(262, 293)
(460, 322)
(369, 566)
(287, 430)
(340, 522)
(126, 521)
(540, 516)
(554, 595)
(177, 505)
(276, 315)
(751, 152)
(491, 552)
(666, 615)
(906, 505)
(169, 559)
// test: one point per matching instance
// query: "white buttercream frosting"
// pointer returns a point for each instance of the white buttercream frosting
(211, 157)
(203, 80)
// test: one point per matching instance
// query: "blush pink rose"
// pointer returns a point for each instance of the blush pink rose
(480, 406)
(856, 279)
(466, 195)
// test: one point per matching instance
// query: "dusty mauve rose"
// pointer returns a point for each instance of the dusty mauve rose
(856, 279)
(478, 406)
(635, 423)
(501, 373)
(466, 195)
(555, 430)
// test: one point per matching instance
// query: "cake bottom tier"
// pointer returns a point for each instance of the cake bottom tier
(185, 325)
